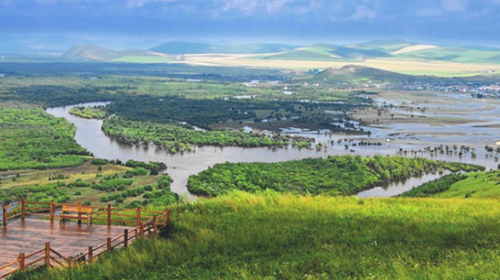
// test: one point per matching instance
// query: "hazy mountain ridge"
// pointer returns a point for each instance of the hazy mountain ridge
(97, 53)
(356, 73)
(180, 47)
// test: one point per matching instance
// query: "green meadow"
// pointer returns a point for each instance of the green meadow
(283, 236)
(484, 184)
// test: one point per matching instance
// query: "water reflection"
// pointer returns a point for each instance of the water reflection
(180, 166)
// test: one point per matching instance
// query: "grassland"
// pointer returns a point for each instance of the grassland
(142, 59)
(272, 236)
(403, 65)
(474, 185)
(34, 139)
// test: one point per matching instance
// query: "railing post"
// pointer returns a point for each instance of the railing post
(23, 209)
(155, 226)
(125, 238)
(141, 230)
(4, 221)
(109, 215)
(79, 205)
(91, 254)
(108, 243)
(22, 261)
(51, 216)
(47, 254)
(138, 216)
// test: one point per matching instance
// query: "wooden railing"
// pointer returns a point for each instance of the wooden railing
(105, 215)
(51, 258)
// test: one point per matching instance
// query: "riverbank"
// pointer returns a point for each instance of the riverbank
(182, 165)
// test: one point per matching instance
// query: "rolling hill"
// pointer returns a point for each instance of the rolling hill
(97, 53)
(387, 46)
(454, 54)
(204, 48)
(351, 73)
(329, 52)
(397, 50)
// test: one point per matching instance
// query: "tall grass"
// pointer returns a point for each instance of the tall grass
(275, 236)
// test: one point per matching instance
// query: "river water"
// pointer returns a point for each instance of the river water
(180, 166)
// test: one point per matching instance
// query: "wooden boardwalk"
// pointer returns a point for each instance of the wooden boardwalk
(68, 239)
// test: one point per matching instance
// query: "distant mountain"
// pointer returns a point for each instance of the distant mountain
(351, 73)
(9, 46)
(455, 54)
(330, 52)
(97, 53)
(204, 48)
(386, 46)
(400, 50)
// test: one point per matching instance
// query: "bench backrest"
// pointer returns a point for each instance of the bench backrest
(77, 209)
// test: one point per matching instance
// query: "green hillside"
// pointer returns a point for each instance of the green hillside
(272, 236)
(97, 53)
(353, 73)
(456, 54)
(473, 185)
(312, 53)
(180, 47)
(385, 49)
(142, 59)
(330, 52)
(387, 46)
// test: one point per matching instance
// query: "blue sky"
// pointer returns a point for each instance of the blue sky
(294, 21)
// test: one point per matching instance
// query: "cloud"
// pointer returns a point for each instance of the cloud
(363, 12)
(454, 5)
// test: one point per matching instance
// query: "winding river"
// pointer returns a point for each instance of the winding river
(180, 166)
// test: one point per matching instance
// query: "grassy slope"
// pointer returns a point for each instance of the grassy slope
(475, 185)
(272, 236)
(463, 55)
(142, 59)
(480, 185)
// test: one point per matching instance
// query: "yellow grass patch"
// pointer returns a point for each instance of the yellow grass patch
(414, 67)
(414, 48)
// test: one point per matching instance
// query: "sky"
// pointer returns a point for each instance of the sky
(281, 21)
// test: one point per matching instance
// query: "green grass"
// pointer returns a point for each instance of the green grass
(455, 54)
(142, 59)
(312, 53)
(272, 236)
(476, 185)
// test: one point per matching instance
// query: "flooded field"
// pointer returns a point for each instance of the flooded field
(438, 119)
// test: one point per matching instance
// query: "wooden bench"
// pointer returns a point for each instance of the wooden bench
(76, 212)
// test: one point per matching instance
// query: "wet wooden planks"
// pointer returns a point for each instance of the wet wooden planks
(69, 239)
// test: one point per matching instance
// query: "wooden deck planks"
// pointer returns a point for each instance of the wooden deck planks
(68, 239)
